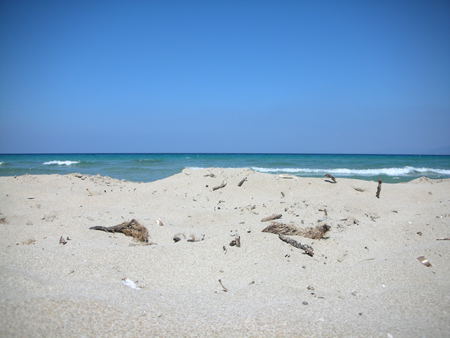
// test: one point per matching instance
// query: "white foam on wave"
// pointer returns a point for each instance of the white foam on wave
(1, 163)
(60, 162)
(357, 172)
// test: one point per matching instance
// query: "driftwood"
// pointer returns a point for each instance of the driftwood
(219, 186)
(236, 241)
(317, 232)
(306, 248)
(331, 177)
(241, 182)
(271, 217)
(443, 239)
(379, 188)
(131, 228)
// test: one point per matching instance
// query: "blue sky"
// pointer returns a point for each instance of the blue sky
(225, 76)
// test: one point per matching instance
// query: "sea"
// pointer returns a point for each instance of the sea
(151, 167)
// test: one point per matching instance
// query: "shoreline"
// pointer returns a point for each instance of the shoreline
(364, 278)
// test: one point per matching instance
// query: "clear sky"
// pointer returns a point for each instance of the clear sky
(225, 76)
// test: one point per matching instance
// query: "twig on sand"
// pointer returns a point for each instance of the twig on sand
(379, 188)
(306, 248)
(219, 186)
(443, 239)
(331, 177)
(223, 287)
(271, 217)
(131, 228)
(241, 182)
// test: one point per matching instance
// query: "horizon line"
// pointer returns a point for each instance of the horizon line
(224, 153)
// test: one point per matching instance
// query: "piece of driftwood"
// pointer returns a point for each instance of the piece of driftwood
(379, 188)
(236, 241)
(271, 217)
(443, 239)
(306, 248)
(331, 177)
(131, 228)
(209, 175)
(317, 232)
(219, 186)
(241, 182)
(324, 211)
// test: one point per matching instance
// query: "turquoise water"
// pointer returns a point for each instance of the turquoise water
(150, 167)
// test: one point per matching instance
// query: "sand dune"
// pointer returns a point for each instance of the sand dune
(364, 278)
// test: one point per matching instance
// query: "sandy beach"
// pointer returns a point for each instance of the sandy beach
(363, 280)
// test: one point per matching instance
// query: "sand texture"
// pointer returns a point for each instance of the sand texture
(364, 279)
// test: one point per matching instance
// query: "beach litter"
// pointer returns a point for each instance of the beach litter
(130, 283)
(224, 289)
(236, 241)
(241, 182)
(331, 177)
(306, 248)
(190, 238)
(219, 186)
(271, 217)
(317, 232)
(424, 261)
(131, 228)
(379, 188)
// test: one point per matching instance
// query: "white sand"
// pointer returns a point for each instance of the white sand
(365, 279)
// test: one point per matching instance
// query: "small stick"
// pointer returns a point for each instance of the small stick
(219, 186)
(306, 248)
(271, 218)
(331, 177)
(282, 194)
(223, 287)
(325, 211)
(241, 182)
(379, 188)
(443, 239)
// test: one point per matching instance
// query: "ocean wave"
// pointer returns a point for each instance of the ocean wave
(405, 171)
(1, 163)
(61, 162)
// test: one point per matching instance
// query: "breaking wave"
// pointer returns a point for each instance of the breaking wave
(405, 171)
(61, 163)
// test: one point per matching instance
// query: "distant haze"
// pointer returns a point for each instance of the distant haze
(225, 76)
